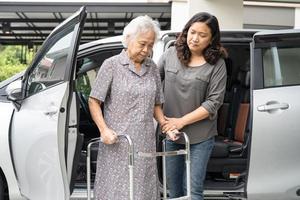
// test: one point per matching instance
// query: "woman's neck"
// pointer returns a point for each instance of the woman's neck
(196, 60)
(137, 66)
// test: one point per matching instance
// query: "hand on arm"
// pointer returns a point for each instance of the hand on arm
(108, 135)
(160, 118)
(173, 135)
(178, 123)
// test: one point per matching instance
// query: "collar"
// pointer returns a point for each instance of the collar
(125, 61)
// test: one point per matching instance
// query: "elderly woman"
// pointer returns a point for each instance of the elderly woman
(129, 86)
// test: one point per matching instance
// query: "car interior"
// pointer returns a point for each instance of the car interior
(227, 168)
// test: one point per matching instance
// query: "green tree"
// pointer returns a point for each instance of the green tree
(11, 60)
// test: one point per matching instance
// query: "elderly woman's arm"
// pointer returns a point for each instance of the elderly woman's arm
(108, 136)
(158, 115)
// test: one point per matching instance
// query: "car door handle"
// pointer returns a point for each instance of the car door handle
(50, 113)
(268, 107)
(52, 110)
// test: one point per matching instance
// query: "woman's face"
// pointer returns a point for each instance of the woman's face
(141, 46)
(199, 37)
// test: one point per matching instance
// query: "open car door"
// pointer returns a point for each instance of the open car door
(274, 171)
(46, 120)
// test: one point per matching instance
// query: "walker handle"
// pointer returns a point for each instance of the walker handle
(130, 163)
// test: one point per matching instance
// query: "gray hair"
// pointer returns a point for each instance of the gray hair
(140, 24)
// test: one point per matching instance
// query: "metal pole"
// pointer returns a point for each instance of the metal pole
(164, 171)
(164, 154)
(188, 165)
(130, 164)
(88, 165)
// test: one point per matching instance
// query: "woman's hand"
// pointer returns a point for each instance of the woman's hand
(172, 124)
(108, 136)
(173, 135)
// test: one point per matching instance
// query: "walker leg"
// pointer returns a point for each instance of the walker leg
(164, 172)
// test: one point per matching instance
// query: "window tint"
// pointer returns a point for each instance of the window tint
(51, 68)
(281, 66)
(88, 70)
(86, 79)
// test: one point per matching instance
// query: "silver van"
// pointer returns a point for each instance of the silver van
(46, 124)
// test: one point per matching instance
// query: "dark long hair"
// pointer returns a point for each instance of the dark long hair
(213, 51)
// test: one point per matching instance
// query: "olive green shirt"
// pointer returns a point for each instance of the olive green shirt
(187, 88)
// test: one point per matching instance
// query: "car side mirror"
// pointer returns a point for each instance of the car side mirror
(14, 93)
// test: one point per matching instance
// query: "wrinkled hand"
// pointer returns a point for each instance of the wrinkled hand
(173, 135)
(172, 124)
(108, 136)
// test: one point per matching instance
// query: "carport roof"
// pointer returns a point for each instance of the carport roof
(30, 23)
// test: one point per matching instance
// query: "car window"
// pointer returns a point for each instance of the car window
(281, 66)
(85, 80)
(88, 69)
(51, 68)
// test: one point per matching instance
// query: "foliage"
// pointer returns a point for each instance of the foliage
(13, 60)
(10, 70)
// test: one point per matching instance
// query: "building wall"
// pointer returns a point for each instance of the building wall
(237, 14)
(268, 17)
(179, 14)
(229, 12)
(271, 14)
(297, 18)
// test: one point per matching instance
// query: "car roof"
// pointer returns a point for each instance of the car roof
(287, 35)
(113, 39)
(100, 41)
(226, 35)
(277, 32)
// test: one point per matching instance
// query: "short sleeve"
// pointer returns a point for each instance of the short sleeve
(102, 84)
(161, 66)
(159, 96)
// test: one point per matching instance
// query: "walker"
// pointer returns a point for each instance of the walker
(131, 155)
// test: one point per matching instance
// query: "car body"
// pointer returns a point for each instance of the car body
(46, 125)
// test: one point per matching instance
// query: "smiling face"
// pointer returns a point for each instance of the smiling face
(199, 37)
(141, 46)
